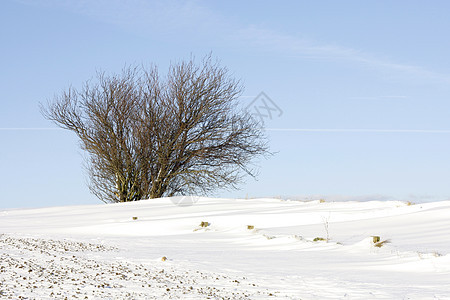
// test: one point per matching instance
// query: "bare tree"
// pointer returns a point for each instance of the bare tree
(148, 137)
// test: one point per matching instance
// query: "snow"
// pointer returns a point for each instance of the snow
(115, 251)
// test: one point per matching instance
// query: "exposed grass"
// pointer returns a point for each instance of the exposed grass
(319, 239)
(204, 224)
(380, 244)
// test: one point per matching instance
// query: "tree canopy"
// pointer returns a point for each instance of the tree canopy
(149, 136)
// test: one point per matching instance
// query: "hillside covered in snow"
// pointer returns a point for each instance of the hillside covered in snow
(207, 248)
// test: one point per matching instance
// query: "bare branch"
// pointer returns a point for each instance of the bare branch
(148, 137)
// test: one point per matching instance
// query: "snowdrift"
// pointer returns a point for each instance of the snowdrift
(228, 249)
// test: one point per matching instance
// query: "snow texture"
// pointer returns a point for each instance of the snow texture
(205, 248)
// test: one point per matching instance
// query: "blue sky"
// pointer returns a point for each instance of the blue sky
(364, 88)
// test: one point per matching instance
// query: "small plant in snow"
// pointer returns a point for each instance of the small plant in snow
(380, 244)
(326, 225)
(377, 242)
(319, 239)
(204, 224)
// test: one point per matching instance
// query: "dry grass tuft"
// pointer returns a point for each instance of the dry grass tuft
(204, 224)
(380, 244)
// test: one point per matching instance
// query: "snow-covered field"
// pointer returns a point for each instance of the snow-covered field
(248, 249)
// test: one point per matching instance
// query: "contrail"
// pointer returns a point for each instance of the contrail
(26, 128)
(360, 130)
(278, 129)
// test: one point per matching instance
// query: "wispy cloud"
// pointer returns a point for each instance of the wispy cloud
(298, 47)
(194, 17)
(142, 17)
(387, 97)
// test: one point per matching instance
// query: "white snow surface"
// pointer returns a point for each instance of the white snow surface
(115, 251)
